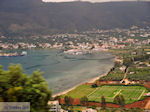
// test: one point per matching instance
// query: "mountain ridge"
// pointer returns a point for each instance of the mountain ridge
(31, 17)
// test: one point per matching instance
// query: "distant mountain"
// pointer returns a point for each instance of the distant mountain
(29, 17)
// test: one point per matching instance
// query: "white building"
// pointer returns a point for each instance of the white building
(55, 107)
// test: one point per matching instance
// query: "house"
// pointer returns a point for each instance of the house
(55, 107)
(126, 82)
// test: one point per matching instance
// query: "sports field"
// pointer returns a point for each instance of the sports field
(130, 93)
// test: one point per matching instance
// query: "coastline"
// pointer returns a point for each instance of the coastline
(88, 81)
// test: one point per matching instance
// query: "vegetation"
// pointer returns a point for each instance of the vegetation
(130, 93)
(16, 86)
(139, 73)
(94, 86)
(137, 62)
(113, 76)
(84, 100)
(68, 100)
(80, 91)
(121, 110)
(119, 99)
(103, 102)
(81, 108)
(14, 12)
(135, 68)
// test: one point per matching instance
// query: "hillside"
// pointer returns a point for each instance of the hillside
(28, 17)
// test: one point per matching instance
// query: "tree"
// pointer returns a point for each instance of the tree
(103, 102)
(127, 62)
(1, 69)
(15, 86)
(122, 101)
(84, 100)
(119, 99)
(94, 85)
(68, 100)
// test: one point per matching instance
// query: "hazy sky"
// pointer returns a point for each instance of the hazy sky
(90, 0)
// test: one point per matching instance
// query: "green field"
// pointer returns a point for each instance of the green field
(130, 93)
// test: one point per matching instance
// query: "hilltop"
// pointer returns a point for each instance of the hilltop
(31, 17)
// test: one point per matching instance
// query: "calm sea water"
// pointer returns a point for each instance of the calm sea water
(62, 71)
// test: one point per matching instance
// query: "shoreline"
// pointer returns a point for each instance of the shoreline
(88, 81)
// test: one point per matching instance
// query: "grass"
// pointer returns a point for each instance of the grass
(80, 91)
(130, 93)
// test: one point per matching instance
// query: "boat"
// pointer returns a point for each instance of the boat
(24, 53)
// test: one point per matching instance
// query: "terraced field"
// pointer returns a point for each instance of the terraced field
(130, 93)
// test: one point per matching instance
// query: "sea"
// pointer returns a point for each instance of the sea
(62, 71)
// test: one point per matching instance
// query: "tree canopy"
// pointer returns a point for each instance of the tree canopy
(16, 86)
(119, 99)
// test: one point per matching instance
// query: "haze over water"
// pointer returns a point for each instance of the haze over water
(63, 71)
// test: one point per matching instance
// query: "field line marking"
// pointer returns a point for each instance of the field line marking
(117, 93)
(93, 92)
(141, 94)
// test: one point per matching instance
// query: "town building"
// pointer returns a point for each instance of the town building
(55, 107)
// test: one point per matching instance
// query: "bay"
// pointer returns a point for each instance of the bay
(63, 71)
